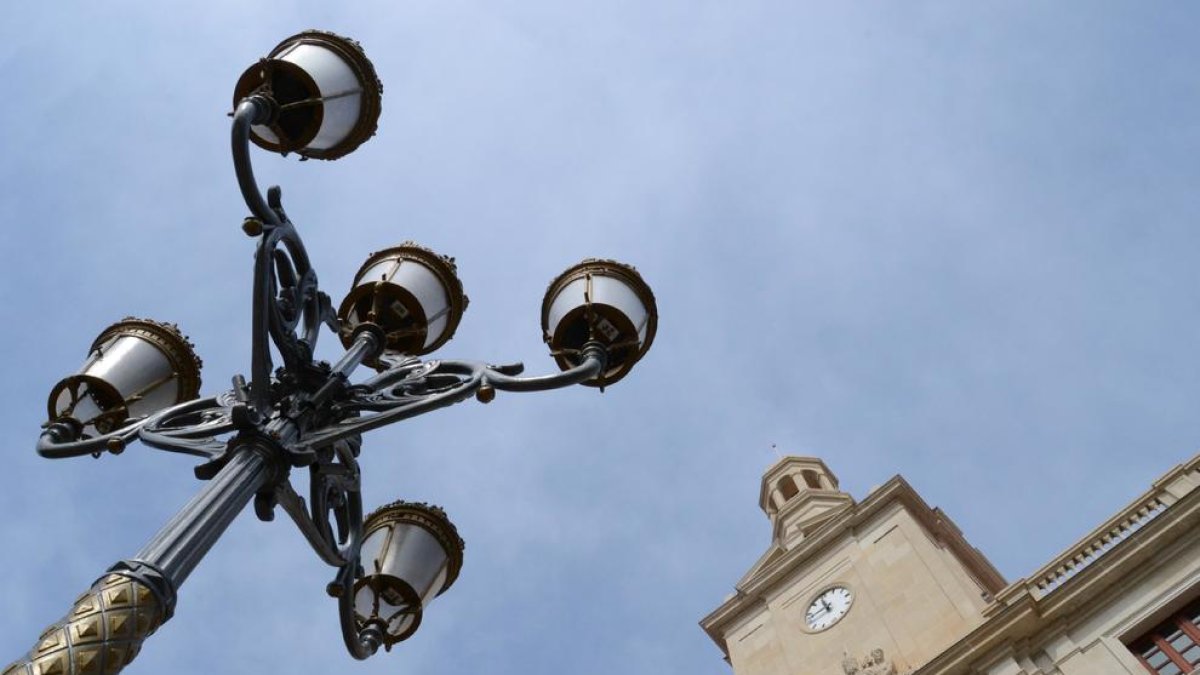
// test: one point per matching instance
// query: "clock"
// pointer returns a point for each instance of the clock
(828, 608)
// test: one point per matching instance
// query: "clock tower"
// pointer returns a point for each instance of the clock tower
(869, 587)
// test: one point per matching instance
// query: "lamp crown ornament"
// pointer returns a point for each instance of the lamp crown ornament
(316, 95)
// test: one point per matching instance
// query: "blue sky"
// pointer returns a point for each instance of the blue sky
(954, 241)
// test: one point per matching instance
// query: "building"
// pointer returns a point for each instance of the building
(889, 585)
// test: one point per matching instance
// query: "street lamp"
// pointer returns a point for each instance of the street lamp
(315, 95)
(135, 367)
(413, 554)
(411, 293)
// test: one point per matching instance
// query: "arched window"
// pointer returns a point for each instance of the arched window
(787, 487)
(811, 479)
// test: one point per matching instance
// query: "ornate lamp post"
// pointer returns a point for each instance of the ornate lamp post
(316, 95)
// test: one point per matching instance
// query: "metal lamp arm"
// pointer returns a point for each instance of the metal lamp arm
(293, 505)
(186, 427)
(328, 478)
(411, 389)
(260, 354)
(595, 357)
(360, 645)
(52, 444)
(281, 267)
(394, 410)
(250, 111)
(193, 427)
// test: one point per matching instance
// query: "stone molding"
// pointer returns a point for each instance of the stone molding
(1023, 614)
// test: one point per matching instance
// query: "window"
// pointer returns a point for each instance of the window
(1173, 648)
(787, 487)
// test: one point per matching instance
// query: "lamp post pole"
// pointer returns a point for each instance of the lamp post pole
(316, 95)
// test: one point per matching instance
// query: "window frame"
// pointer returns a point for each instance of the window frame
(1185, 620)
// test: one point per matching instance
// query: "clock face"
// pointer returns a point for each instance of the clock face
(828, 608)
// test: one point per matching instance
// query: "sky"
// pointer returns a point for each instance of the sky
(952, 241)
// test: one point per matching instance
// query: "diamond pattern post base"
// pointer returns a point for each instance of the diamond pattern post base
(102, 633)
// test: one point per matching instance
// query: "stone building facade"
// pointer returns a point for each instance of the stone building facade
(889, 586)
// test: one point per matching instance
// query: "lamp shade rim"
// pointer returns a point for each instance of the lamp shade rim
(430, 518)
(171, 341)
(113, 410)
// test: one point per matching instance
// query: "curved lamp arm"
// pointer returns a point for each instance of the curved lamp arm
(189, 428)
(286, 297)
(412, 388)
(53, 443)
(361, 645)
(595, 358)
(250, 111)
(339, 479)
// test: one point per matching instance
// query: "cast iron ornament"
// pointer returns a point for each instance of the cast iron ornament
(301, 414)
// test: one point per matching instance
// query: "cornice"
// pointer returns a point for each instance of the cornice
(834, 500)
(1009, 616)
